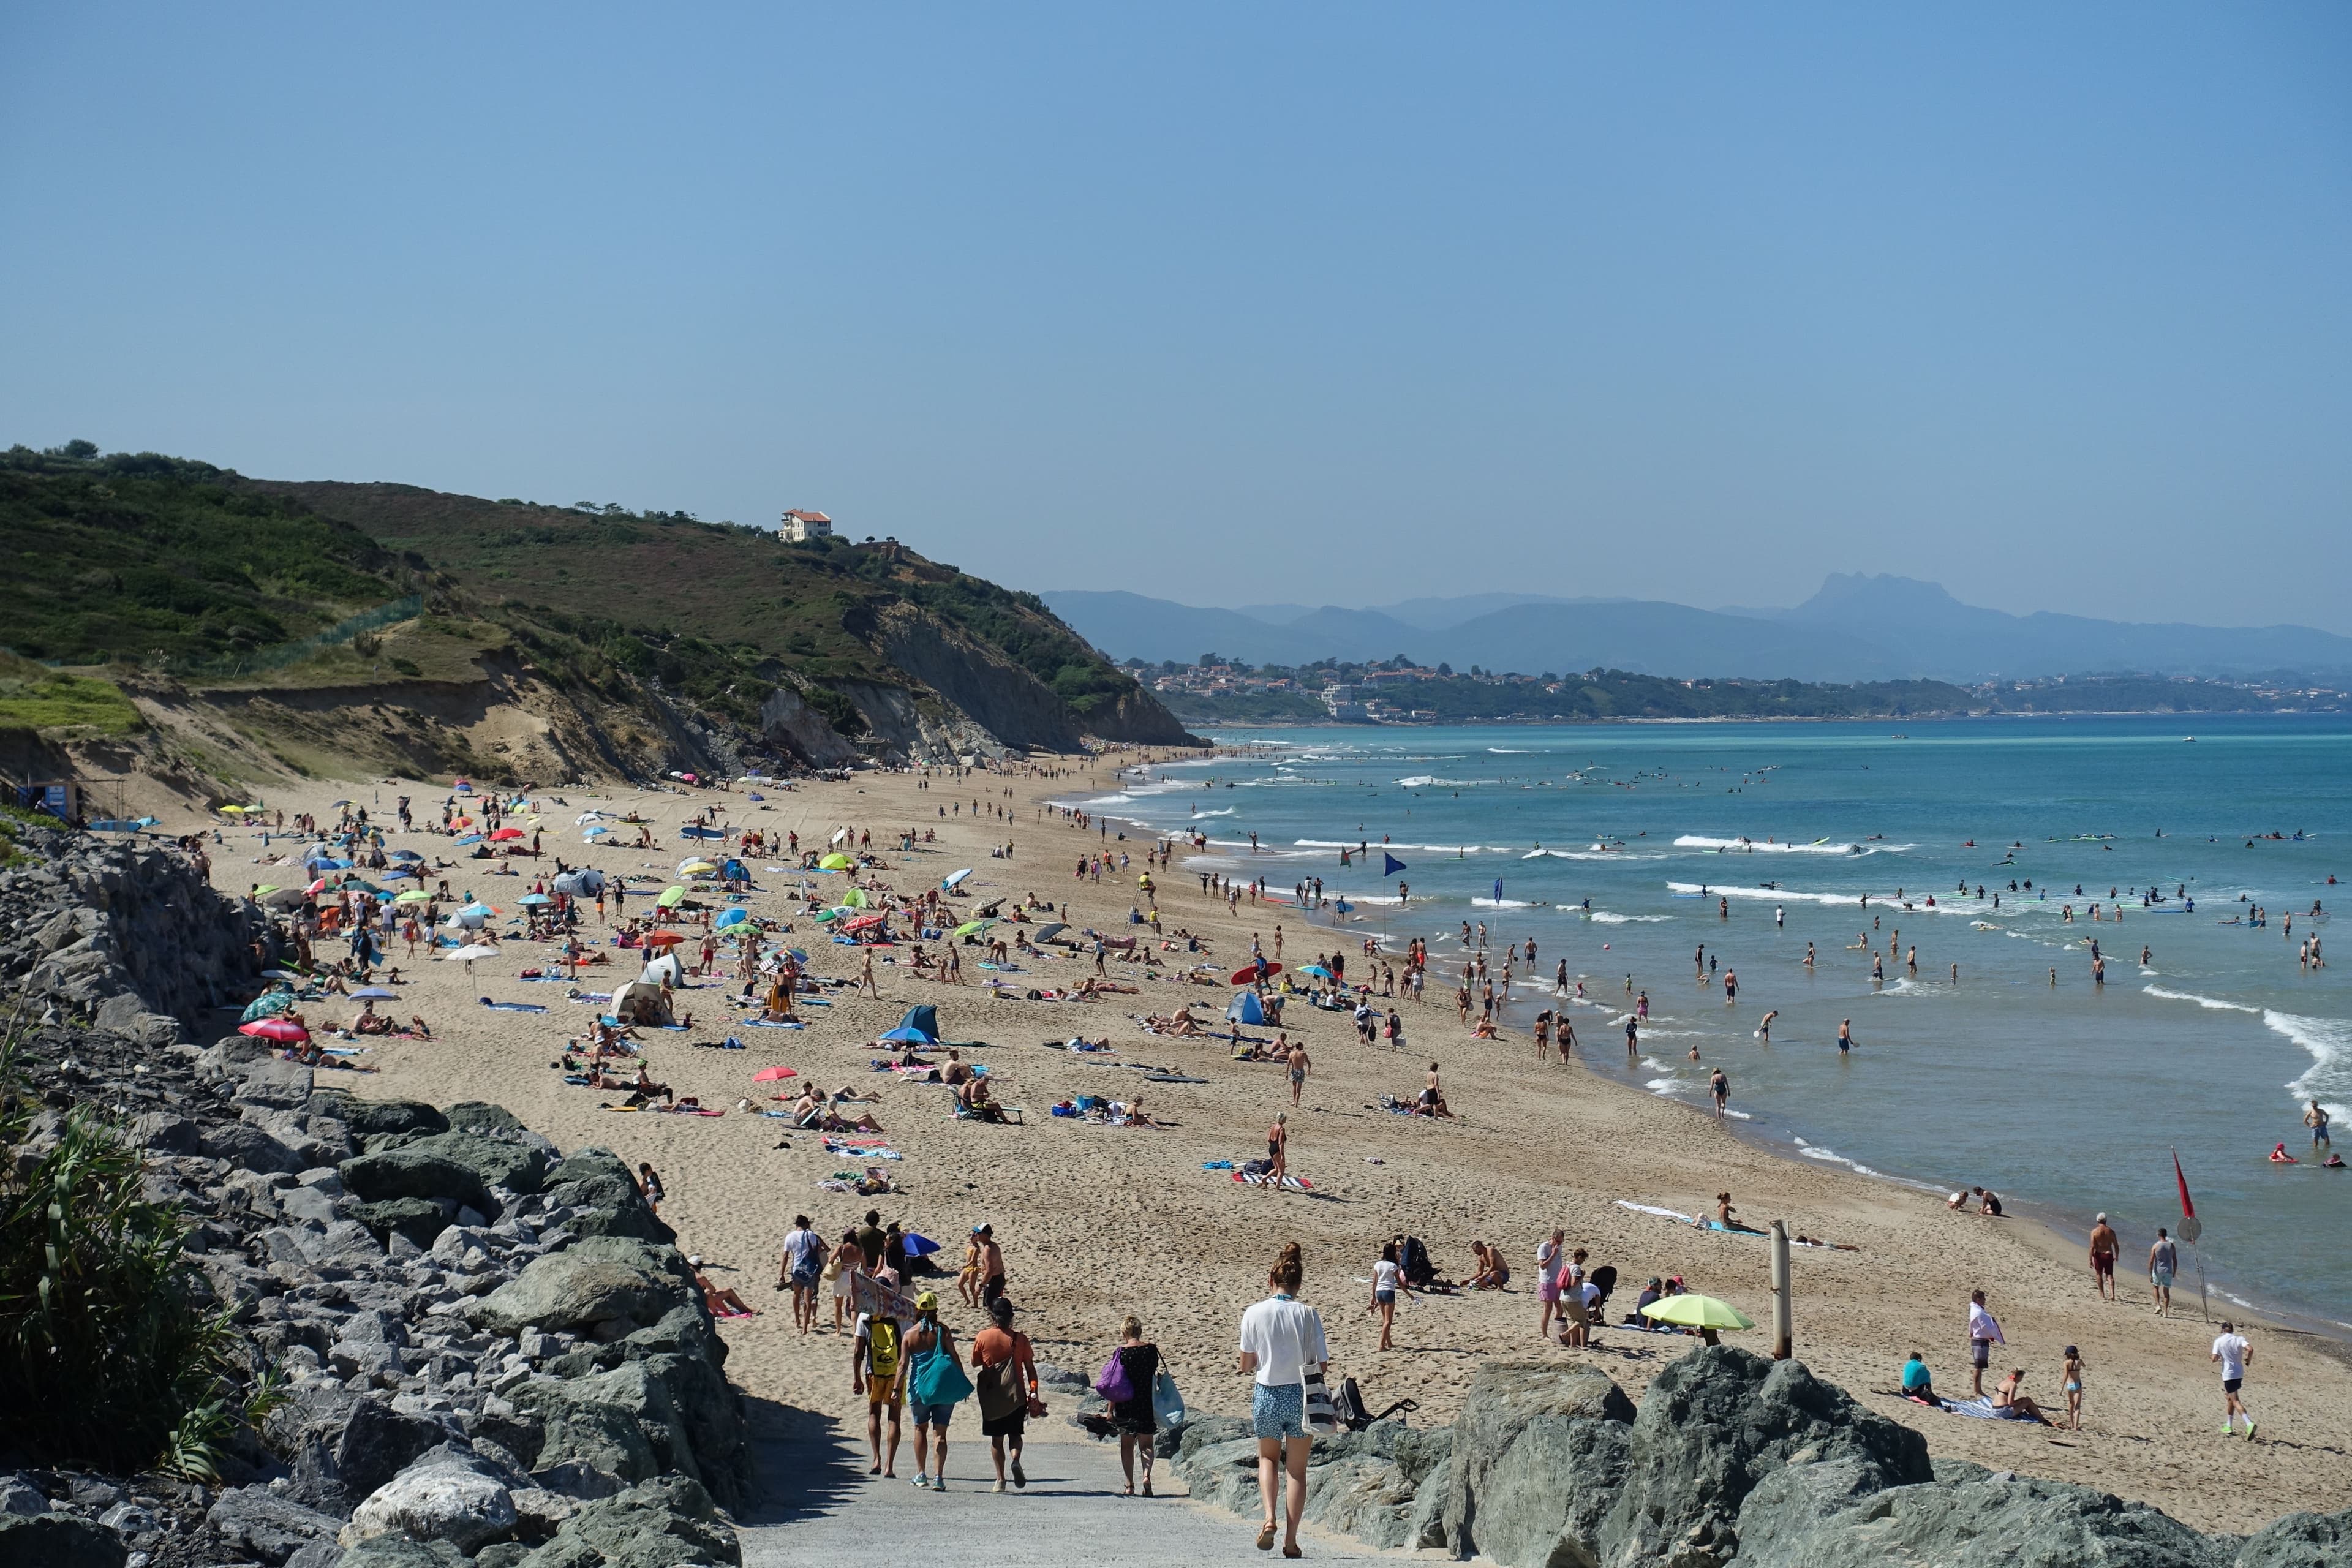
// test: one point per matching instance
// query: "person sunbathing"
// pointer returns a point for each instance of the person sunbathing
(723, 1304)
(974, 1100)
(2014, 1405)
(372, 1022)
(644, 1085)
(1484, 1031)
(418, 1028)
(1135, 1116)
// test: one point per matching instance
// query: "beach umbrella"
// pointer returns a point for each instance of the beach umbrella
(337, 805)
(471, 951)
(268, 1004)
(1050, 929)
(920, 1246)
(479, 908)
(470, 838)
(904, 1036)
(406, 855)
(505, 832)
(729, 919)
(757, 796)
(375, 993)
(534, 899)
(836, 862)
(923, 1020)
(1245, 976)
(863, 923)
(826, 917)
(855, 899)
(663, 939)
(954, 879)
(231, 810)
(671, 898)
(400, 871)
(796, 955)
(286, 1031)
(772, 1075)
(973, 928)
(695, 866)
(317, 887)
(1691, 1311)
(587, 816)
(414, 896)
(1316, 970)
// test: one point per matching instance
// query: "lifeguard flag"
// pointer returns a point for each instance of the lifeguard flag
(1498, 890)
(2188, 1210)
(1390, 864)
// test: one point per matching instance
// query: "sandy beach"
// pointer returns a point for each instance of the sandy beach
(1097, 1222)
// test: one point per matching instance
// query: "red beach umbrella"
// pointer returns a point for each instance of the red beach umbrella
(770, 1075)
(286, 1031)
(663, 939)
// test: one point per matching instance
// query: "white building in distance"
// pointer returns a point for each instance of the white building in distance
(800, 527)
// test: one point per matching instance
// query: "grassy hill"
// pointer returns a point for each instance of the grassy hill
(238, 586)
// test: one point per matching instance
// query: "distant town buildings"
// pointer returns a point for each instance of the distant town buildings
(800, 527)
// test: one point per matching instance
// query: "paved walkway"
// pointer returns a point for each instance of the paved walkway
(822, 1508)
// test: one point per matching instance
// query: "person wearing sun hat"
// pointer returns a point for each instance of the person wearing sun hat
(928, 1337)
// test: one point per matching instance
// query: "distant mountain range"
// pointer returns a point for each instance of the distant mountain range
(1856, 628)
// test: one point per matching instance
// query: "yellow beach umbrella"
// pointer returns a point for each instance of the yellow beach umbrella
(696, 868)
(1689, 1311)
(414, 896)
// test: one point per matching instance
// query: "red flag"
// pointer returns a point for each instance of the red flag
(2188, 1210)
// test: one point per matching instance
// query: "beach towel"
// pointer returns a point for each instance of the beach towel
(1289, 1183)
(768, 1024)
(513, 1006)
(863, 1150)
(1171, 1077)
(683, 1111)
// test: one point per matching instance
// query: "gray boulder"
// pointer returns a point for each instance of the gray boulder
(586, 1438)
(475, 1116)
(587, 1286)
(58, 1540)
(447, 1495)
(378, 1118)
(256, 1522)
(419, 1219)
(499, 1161)
(1831, 1515)
(377, 1442)
(663, 1523)
(405, 1173)
(403, 1552)
(1538, 1454)
(598, 1183)
(277, 1084)
(2299, 1541)
(166, 1133)
(1714, 1423)
(241, 1144)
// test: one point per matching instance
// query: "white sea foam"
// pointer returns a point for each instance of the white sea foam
(1508, 752)
(1754, 847)
(1831, 1157)
(1109, 800)
(1612, 918)
(2330, 1042)
(2214, 1003)
(1502, 903)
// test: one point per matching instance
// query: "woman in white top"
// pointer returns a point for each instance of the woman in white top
(1387, 1280)
(1550, 1255)
(1281, 1337)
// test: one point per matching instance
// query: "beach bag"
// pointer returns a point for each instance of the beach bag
(1320, 1414)
(938, 1380)
(882, 1347)
(1351, 1408)
(1000, 1391)
(1166, 1404)
(1112, 1381)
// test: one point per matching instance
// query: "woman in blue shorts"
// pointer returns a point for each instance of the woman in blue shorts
(1281, 1340)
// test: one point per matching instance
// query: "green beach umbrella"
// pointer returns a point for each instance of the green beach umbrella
(414, 896)
(835, 863)
(1688, 1311)
(671, 898)
(972, 927)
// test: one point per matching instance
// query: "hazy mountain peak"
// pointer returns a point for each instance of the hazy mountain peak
(1882, 592)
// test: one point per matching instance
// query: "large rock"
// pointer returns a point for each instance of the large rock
(421, 1220)
(377, 1118)
(499, 1161)
(256, 1522)
(243, 1144)
(1538, 1455)
(377, 1442)
(596, 1286)
(278, 1084)
(406, 1172)
(2299, 1541)
(447, 1495)
(665, 1523)
(597, 1184)
(1714, 1423)
(401, 1552)
(1832, 1515)
(58, 1540)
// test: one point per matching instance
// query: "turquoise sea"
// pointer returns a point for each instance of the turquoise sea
(2066, 1098)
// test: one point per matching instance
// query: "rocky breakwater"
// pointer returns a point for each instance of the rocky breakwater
(1730, 1461)
(484, 1349)
(126, 935)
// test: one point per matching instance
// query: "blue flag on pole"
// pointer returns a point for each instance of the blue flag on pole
(1498, 890)
(1394, 865)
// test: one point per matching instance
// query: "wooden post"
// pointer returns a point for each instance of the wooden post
(1783, 1313)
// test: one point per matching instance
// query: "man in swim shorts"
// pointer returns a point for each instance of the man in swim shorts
(1299, 1069)
(2162, 1259)
(2104, 1247)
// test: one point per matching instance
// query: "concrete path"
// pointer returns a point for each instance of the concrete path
(821, 1508)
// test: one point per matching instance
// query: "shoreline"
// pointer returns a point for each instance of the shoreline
(2059, 1233)
(1520, 724)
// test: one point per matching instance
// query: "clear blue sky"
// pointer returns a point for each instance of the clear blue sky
(1327, 303)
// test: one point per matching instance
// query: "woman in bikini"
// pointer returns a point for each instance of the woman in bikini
(1277, 1151)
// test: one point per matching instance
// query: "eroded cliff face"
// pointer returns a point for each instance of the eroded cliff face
(1138, 718)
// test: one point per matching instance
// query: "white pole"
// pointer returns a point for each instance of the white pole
(1783, 1311)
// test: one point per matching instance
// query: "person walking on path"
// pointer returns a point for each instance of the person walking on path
(2104, 1248)
(1984, 1333)
(2235, 1354)
(875, 1352)
(1277, 1151)
(991, 1266)
(802, 1261)
(1281, 1339)
(928, 1338)
(1006, 1385)
(1137, 1416)
(1299, 1067)
(2163, 1257)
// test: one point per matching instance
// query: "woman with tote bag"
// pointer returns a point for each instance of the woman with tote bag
(1283, 1350)
(932, 1376)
